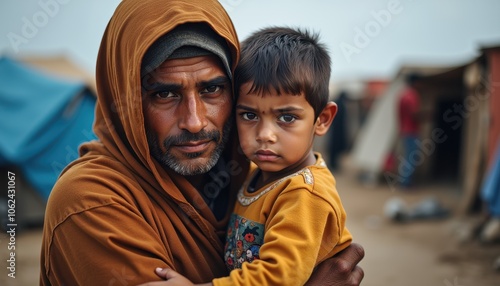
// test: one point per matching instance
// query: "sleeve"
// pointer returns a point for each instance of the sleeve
(302, 229)
(414, 103)
(105, 245)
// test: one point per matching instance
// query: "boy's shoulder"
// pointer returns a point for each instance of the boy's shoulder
(316, 178)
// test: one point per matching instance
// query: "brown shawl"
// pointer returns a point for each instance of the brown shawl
(115, 214)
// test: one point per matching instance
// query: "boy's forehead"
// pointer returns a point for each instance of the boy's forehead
(270, 90)
(272, 99)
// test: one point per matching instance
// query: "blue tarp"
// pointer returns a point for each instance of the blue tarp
(43, 121)
(491, 187)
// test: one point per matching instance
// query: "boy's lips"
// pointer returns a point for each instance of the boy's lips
(266, 155)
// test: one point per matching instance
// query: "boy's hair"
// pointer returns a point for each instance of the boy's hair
(286, 60)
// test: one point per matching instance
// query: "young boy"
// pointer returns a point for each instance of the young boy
(289, 216)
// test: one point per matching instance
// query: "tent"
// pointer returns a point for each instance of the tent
(377, 138)
(44, 120)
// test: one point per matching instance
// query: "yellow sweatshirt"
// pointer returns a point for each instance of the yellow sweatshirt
(285, 229)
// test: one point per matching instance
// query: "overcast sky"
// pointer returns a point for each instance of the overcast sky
(371, 38)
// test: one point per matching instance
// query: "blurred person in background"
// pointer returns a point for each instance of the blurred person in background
(409, 127)
(337, 137)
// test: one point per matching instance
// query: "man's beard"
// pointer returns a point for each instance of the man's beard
(168, 160)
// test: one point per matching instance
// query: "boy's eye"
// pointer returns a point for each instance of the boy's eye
(287, 118)
(248, 116)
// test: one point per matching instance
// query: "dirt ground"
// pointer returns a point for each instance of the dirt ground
(413, 253)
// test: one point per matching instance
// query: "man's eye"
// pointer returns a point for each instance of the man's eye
(212, 89)
(164, 94)
(248, 116)
(287, 118)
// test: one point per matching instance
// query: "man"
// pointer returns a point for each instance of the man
(409, 124)
(156, 190)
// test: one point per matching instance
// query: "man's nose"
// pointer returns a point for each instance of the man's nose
(193, 114)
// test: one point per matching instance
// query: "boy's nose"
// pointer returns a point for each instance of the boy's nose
(266, 133)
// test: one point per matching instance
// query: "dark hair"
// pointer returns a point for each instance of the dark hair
(412, 78)
(288, 61)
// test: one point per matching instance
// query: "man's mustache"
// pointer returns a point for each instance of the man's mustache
(186, 137)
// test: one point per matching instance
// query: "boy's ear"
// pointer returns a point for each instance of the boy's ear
(325, 118)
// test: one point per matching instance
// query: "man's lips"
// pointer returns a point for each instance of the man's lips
(266, 155)
(193, 146)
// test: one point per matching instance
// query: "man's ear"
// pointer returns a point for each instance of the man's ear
(325, 118)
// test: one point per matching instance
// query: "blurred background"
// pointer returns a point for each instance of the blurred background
(422, 192)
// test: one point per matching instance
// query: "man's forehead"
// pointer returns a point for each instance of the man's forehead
(191, 63)
(178, 72)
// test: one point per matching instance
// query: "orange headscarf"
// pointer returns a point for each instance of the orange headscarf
(134, 27)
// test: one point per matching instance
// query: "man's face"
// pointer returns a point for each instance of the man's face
(187, 108)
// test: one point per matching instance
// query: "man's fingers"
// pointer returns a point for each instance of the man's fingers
(354, 255)
(357, 275)
(163, 273)
(166, 273)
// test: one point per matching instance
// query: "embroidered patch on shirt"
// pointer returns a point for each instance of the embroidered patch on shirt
(244, 238)
(247, 200)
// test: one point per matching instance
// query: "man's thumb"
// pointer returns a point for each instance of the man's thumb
(166, 273)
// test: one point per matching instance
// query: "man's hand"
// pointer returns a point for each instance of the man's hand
(173, 279)
(340, 270)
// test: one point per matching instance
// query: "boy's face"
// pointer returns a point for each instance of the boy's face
(276, 131)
